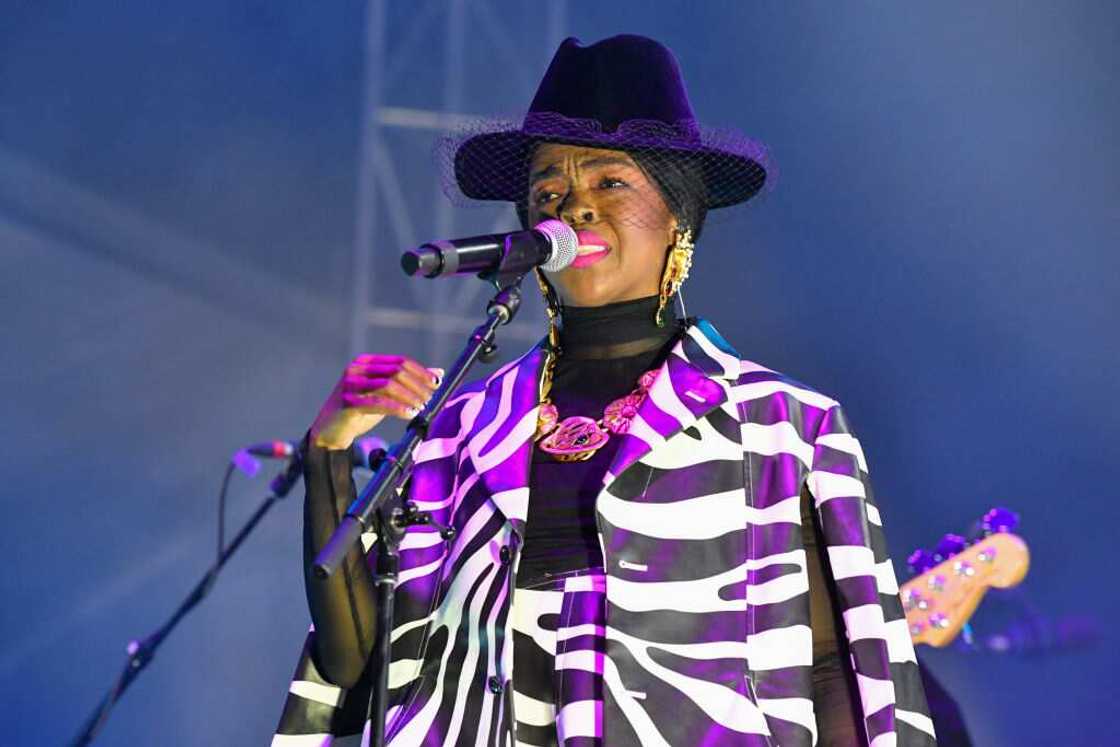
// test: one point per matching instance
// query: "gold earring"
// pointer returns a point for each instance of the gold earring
(677, 266)
(551, 309)
(548, 415)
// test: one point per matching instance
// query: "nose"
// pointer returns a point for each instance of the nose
(576, 210)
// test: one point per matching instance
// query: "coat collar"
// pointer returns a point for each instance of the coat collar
(694, 379)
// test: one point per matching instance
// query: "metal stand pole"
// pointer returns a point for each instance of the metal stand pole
(141, 652)
(380, 505)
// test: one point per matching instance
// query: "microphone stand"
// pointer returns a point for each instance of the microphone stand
(381, 509)
(141, 652)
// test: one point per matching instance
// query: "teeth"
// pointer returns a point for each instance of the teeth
(590, 249)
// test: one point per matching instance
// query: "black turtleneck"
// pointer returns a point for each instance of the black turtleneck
(604, 350)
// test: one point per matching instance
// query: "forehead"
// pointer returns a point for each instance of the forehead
(558, 154)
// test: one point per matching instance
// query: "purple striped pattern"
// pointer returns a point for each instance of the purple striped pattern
(560, 654)
(707, 637)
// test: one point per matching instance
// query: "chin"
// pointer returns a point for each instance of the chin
(591, 294)
(601, 298)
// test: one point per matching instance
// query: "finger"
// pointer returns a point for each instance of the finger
(397, 384)
(373, 370)
(414, 376)
(422, 382)
(421, 386)
(419, 371)
(384, 388)
(378, 359)
(386, 365)
(377, 405)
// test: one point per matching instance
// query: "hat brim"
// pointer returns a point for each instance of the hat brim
(495, 165)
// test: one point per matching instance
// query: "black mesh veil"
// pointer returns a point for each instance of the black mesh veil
(685, 167)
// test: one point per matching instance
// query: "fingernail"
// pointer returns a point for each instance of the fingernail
(437, 379)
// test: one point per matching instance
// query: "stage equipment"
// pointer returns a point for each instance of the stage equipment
(141, 651)
(955, 576)
(380, 508)
(361, 452)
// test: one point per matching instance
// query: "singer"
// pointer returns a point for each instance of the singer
(658, 542)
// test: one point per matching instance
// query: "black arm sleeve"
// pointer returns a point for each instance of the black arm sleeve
(342, 606)
(838, 714)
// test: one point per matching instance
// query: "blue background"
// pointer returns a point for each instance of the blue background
(177, 207)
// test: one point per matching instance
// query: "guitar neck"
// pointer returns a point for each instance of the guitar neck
(939, 602)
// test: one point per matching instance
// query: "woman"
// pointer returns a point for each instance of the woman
(638, 509)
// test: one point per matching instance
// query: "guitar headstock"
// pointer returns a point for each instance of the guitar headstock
(956, 576)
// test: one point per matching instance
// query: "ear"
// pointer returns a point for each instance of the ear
(674, 223)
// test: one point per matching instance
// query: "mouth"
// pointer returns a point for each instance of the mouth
(592, 248)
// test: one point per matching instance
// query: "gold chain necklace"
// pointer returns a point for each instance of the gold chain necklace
(577, 438)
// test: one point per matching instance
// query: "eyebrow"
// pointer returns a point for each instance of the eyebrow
(589, 163)
(545, 173)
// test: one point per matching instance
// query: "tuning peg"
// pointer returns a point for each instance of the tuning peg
(920, 561)
(976, 532)
(1000, 520)
(913, 599)
(950, 545)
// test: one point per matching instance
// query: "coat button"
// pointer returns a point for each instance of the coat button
(494, 684)
(504, 555)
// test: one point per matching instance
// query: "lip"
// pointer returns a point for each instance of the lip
(590, 239)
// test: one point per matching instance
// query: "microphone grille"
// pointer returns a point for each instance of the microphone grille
(564, 243)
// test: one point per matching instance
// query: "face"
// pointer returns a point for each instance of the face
(622, 222)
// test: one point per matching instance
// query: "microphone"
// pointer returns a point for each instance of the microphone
(244, 460)
(272, 449)
(551, 244)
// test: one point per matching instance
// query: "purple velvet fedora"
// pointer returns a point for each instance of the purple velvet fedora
(622, 93)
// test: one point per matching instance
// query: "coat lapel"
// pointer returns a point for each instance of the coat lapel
(500, 442)
(695, 379)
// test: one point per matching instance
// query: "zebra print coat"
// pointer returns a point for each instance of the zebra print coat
(708, 637)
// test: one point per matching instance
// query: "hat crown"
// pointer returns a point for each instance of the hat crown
(622, 93)
(622, 78)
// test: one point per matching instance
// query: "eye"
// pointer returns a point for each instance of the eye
(544, 197)
(610, 182)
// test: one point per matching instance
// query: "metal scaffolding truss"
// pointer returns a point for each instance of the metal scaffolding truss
(395, 45)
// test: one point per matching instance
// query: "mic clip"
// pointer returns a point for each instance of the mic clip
(411, 515)
(282, 484)
(375, 458)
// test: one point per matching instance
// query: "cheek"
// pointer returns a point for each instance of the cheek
(642, 248)
(639, 263)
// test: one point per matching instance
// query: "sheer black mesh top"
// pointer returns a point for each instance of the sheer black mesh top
(604, 351)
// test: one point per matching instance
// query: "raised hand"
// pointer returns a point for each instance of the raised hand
(371, 387)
